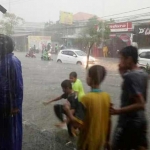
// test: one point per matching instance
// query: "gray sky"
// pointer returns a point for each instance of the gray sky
(44, 10)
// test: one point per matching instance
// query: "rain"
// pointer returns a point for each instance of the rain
(52, 39)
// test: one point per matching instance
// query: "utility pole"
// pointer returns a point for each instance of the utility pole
(9, 5)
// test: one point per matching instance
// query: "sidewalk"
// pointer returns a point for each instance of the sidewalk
(111, 64)
(109, 59)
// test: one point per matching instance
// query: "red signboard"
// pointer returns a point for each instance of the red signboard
(118, 27)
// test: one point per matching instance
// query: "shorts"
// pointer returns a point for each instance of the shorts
(130, 137)
(59, 111)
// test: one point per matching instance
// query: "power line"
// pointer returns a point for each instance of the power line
(126, 12)
(64, 27)
(132, 16)
(83, 26)
(16, 1)
(122, 17)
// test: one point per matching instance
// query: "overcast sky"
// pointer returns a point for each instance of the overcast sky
(44, 10)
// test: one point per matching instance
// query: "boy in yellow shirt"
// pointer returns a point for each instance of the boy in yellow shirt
(95, 127)
(77, 85)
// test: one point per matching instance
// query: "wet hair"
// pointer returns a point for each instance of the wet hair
(97, 73)
(73, 74)
(66, 84)
(130, 51)
(6, 45)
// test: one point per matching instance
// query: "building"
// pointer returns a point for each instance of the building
(79, 22)
(122, 30)
(142, 35)
(29, 27)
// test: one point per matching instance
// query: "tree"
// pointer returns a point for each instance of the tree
(48, 24)
(96, 31)
(8, 23)
(110, 21)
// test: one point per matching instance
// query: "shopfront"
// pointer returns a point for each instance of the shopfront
(122, 30)
(120, 36)
(142, 35)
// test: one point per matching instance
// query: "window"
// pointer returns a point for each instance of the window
(65, 52)
(143, 55)
(70, 53)
(148, 55)
(81, 53)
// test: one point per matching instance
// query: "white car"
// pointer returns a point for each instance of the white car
(74, 57)
(144, 58)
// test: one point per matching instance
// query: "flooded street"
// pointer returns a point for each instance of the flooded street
(42, 81)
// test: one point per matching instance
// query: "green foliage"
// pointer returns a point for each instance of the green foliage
(8, 23)
(95, 31)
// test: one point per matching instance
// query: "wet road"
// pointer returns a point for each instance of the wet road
(42, 81)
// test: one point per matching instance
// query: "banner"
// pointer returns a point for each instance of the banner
(142, 30)
(38, 41)
(66, 18)
(121, 27)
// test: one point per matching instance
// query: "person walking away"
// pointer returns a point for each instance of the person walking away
(11, 96)
(34, 49)
(56, 48)
(131, 130)
(48, 47)
(105, 51)
(77, 85)
(95, 127)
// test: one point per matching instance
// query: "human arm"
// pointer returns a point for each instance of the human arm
(77, 123)
(77, 86)
(76, 89)
(136, 97)
(53, 100)
(139, 104)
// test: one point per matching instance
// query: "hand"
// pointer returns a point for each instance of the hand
(76, 125)
(45, 103)
(122, 70)
(15, 111)
(114, 111)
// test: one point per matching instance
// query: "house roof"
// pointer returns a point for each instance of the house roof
(81, 16)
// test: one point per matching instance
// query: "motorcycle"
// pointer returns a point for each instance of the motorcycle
(46, 55)
(32, 55)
